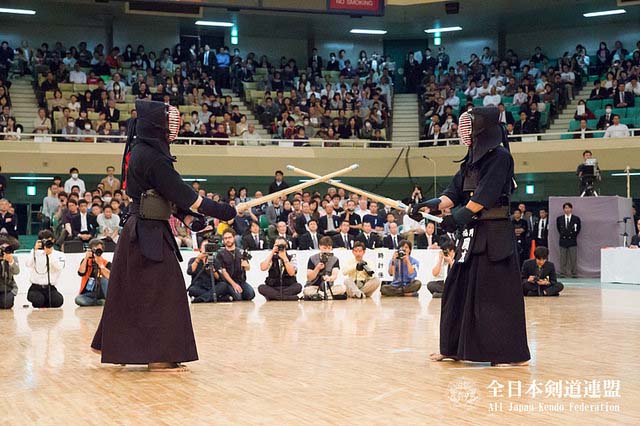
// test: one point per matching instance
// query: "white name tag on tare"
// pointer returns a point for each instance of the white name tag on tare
(467, 235)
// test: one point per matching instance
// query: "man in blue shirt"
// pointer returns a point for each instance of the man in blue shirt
(224, 61)
(404, 270)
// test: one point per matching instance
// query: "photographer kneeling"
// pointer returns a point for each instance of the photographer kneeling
(445, 261)
(8, 269)
(281, 283)
(201, 269)
(322, 272)
(234, 263)
(95, 271)
(404, 270)
(360, 279)
(45, 264)
(539, 275)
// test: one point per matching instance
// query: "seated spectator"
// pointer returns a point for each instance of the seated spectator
(623, 99)
(281, 282)
(10, 268)
(607, 119)
(633, 86)
(392, 239)
(360, 280)
(95, 271)
(251, 137)
(445, 260)
(12, 131)
(254, 240)
(539, 275)
(322, 272)
(370, 239)
(309, 240)
(599, 92)
(42, 125)
(108, 224)
(581, 133)
(45, 265)
(617, 130)
(524, 126)
(77, 76)
(233, 269)
(582, 112)
(204, 275)
(404, 270)
(220, 136)
(492, 99)
(84, 225)
(8, 223)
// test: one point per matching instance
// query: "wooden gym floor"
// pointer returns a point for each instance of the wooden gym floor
(340, 363)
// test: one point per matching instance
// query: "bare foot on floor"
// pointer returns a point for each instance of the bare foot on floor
(439, 357)
(167, 367)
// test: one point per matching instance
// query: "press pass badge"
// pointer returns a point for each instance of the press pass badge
(466, 237)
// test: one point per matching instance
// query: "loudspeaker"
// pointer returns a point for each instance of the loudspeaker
(452, 8)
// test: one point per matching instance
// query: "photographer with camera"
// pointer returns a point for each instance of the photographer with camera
(95, 271)
(539, 275)
(9, 268)
(360, 279)
(443, 264)
(201, 268)
(322, 272)
(281, 282)
(46, 265)
(404, 270)
(233, 266)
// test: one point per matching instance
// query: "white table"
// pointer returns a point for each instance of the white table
(620, 265)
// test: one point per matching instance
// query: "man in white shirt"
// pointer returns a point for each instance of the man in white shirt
(453, 101)
(411, 228)
(617, 130)
(362, 209)
(108, 224)
(492, 99)
(250, 137)
(77, 75)
(45, 265)
(484, 90)
(633, 86)
(74, 180)
(360, 279)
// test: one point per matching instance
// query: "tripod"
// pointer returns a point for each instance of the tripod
(589, 187)
(625, 234)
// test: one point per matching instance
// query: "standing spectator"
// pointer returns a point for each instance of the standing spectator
(6, 59)
(110, 182)
(74, 180)
(568, 226)
(541, 230)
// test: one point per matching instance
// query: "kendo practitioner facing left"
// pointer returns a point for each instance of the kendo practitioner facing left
(146, 317)
(483, 316)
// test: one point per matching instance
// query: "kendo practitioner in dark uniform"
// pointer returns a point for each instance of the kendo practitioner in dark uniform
(146, 318)
(483, 318)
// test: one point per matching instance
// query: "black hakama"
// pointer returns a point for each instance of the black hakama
(146, 316)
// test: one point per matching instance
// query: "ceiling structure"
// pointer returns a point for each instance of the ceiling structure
(403, 19)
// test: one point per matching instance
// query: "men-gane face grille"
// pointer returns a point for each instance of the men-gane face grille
(173, 123)
(465, 125)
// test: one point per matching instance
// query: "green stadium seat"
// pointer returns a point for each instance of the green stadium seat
(544, 119)
(566, 136)
(477, 102)
(507, 100)
(574, 125)
(594, 104)
(592, 123)
(622, 112)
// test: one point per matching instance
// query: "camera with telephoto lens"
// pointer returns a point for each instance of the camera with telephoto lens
(97, 252)
(246, 255)
(46, 244)
(324, 257)
(213, 244)
(401, 254)
(363, 266)
(5, 250)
